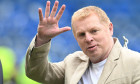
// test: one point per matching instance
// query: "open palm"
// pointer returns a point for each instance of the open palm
(48, 26)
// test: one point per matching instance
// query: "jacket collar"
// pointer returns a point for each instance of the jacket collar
(80, 70)
(111, 62)
(115, 52)
(83, 57)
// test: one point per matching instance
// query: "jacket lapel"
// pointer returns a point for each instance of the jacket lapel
(108, 69)
(80, 70)
(111, 62)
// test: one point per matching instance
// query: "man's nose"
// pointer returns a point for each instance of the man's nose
(88, 38)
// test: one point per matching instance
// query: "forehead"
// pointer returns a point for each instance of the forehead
(88, 22)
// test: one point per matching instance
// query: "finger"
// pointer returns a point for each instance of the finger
(54, 9)
(40, 14)
(47, 11)
(64, 29)
(58, 16)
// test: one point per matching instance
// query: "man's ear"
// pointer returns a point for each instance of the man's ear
(111, 28)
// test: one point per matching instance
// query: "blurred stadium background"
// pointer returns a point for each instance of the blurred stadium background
(19, 21)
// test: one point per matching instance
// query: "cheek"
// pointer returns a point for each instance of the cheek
(101, 40)
(82, 45)
(80, 42)
(105, 43)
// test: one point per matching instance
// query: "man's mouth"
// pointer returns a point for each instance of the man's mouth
(91, 48)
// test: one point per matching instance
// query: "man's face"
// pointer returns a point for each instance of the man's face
(94, 38)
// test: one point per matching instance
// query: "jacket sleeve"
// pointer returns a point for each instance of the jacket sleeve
(136, 72)
(39, 69)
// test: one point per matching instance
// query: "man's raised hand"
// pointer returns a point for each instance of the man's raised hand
(48, 25)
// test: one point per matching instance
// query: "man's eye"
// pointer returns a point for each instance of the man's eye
(82, 34)
(94, 31)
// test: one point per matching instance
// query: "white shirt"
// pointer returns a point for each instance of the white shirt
(92, 74)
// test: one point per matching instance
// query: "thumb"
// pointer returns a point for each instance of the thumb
(64, 29)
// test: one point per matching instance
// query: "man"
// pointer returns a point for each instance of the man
(1, 74)
(102, 60)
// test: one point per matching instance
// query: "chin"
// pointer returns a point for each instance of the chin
(93, 55)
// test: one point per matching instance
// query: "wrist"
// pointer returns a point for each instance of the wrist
(39, 41)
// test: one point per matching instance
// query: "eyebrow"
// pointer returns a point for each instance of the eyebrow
(81, 31)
